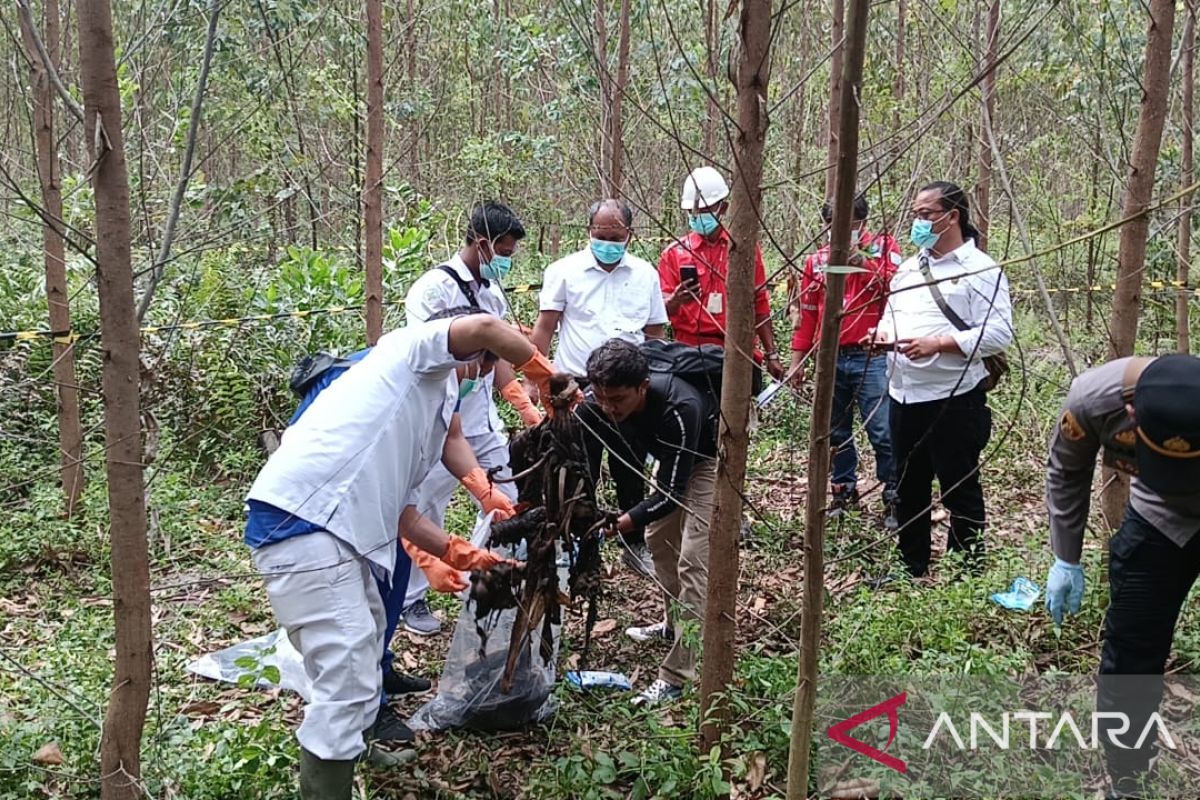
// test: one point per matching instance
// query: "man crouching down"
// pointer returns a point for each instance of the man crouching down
(326, 507)
(634, 413)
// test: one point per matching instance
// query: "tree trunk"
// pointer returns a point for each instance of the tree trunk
(120, 763)
(70, 434)
(712, 51)
(1187, 178)
(1131, 252)
(898, 84)
(987, 129)
(373, 184)
(819, 450)
(616, 135)
(835, 91)
(1131, 249)
(601, 55)
(720, 627)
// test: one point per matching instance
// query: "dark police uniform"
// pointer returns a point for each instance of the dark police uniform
(1155, 556)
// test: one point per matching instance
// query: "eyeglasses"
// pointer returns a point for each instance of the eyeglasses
(929, 213)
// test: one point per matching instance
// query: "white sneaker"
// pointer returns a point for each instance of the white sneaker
(658, 692)
(659, 631)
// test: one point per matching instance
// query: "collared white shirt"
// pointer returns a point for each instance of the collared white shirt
(354, 460)
(436, 291)
(598, 305)
(977, 290)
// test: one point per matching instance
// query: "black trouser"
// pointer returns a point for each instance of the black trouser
(942, 438)
(1149, 578)
(624, 464)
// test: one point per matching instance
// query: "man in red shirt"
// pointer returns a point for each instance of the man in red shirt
(861, 375)
(692, 271)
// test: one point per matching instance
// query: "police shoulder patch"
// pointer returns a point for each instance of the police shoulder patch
(1072, 431)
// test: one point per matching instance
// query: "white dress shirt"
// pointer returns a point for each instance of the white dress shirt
(354, 460)
(598, 305)
(436, 291)
(977, 290)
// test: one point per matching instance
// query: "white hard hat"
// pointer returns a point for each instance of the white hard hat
(702, 188)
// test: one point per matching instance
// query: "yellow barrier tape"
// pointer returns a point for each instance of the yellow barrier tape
(779, 289)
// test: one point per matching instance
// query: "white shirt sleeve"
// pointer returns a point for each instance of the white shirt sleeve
(428, 296)
(429, 347)
(887, 321)
(554, 289)
(658, 308)
(991, 315)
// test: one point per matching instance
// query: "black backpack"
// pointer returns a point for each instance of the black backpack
(312, 368)
(699, 365)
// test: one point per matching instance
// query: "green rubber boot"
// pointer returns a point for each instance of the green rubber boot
(325, 780)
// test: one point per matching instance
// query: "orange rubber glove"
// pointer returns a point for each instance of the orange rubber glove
(492, 499)
(538, 369)
(462, 555)
(515, 394)
(442, 577)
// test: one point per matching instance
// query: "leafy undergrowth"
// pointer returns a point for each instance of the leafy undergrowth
(208, 741)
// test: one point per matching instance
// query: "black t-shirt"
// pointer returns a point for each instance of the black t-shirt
(677, 425)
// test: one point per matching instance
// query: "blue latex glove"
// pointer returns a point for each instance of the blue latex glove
(1064, 589)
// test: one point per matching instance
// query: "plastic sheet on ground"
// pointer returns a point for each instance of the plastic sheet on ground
(271, 650)
(1021, 595)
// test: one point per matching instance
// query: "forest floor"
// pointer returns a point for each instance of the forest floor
(209, 740)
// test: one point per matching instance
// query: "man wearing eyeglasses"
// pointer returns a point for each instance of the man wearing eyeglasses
(948, 309)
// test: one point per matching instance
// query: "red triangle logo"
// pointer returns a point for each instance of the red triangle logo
(840, 732)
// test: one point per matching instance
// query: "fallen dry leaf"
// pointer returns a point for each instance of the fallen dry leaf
(756, 772)
(854, 789)
(1182, 692)
(48, 754)
(604, 626)
(201, 708)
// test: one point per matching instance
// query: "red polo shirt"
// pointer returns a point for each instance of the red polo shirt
(703, 322)
(866, 292)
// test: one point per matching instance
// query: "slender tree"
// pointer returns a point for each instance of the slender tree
(185, 169)
(836, 61)
(819, 450)
(1131, 248)
(720, 627)
(984, 186)
(1187, 178)
(70, 433)
(616, 130)
(373, 183)
(120, 759)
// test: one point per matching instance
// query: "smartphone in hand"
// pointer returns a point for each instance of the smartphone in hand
(688, 274)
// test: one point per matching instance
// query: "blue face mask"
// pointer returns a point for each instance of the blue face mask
(703, 224)
(497, 269)
(608, 252)
(922, 234)
(466, 386)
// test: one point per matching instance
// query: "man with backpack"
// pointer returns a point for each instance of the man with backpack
(632, 412)
(325, 509)
(471, 278)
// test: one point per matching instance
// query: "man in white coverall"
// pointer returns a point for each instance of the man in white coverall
(325, 509)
